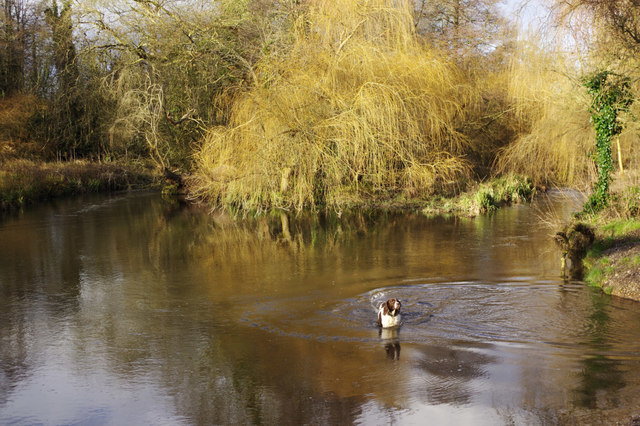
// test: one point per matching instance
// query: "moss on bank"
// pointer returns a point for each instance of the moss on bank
(24, 182)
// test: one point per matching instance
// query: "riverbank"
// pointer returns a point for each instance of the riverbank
(482, 198)
(613, 262)
(476, 199)
(28, 181)
(24, 182)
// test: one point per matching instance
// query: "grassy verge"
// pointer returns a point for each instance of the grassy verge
(24, 182)
(613, 262)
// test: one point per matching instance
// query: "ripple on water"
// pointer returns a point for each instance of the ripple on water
(517, 312)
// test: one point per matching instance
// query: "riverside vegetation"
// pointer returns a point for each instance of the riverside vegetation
(613, 262)
(310, 105)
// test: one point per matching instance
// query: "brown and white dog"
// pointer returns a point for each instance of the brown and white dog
(389, 313)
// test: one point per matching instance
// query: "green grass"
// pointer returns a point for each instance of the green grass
(621, 227)
(618, 223)
(631, 262)
(598, 271)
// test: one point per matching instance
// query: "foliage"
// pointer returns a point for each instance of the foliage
(358, 108)
(12, 46)
(175, 68)
(627, 204)
(130, 78)
(610, 95)
(500, 191)
(465, 27)
(595, 274)
(17, 115)
(613, 26)
(280, 103)
(149, 78)
(64, 52)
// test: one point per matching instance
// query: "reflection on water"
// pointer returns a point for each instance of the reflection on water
(391, 339)
(126, 309)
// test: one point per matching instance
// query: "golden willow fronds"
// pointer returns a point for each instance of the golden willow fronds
(357, 107)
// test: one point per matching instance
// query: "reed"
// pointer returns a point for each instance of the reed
(358, 108)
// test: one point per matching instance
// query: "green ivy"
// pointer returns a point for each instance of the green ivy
(610, 95)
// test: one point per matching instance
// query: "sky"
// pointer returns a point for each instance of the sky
(528, 13)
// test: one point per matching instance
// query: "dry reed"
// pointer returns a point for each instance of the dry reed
(24, 182)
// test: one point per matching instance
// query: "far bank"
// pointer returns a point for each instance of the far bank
(26, 182)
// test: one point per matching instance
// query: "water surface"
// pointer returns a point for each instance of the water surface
(128, 310)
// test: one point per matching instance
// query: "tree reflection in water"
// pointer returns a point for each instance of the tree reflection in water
(601, 376)
(127, 307)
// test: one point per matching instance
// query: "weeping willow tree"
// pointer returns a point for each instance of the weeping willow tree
(357, 108)
(552, 119)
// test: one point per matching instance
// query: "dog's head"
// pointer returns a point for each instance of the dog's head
(392, 307)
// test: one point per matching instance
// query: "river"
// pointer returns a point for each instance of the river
(126, 309)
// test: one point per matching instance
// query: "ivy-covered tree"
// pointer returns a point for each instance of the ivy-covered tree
(610, 95)
(64, 52)
(12, 46)
(68, 118)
